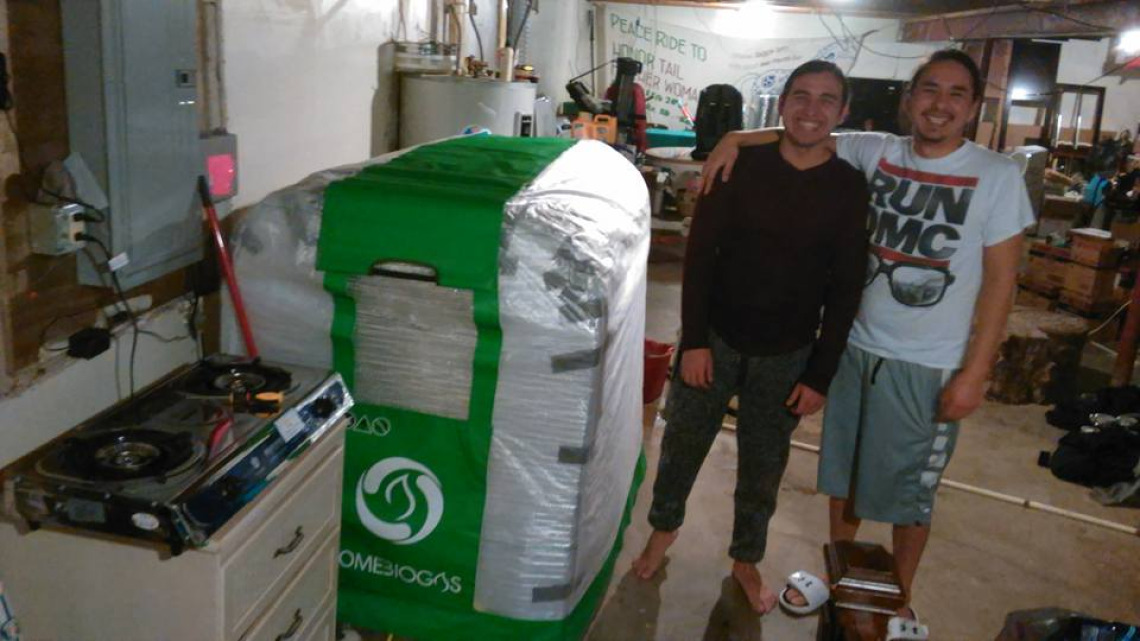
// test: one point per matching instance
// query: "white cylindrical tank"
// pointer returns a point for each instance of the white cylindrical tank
(434, 107)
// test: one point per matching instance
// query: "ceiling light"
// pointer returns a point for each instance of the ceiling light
(1130, 42)
(1018, 93)
(752, 20)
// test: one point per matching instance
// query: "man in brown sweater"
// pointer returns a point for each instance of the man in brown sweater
(768, 251)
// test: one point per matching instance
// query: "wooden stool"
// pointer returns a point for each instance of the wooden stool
(840, 624)
(853, 567)
(1040, 357)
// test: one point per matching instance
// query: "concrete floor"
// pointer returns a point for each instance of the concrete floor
(984, 560)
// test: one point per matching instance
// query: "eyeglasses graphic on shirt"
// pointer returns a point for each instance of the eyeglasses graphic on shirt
(911, 284)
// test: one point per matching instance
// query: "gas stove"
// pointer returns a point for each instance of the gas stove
(173, 464)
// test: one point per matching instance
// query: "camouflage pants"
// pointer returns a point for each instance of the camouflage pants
(763, 433)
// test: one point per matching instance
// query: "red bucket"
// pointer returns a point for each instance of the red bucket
(657, 357)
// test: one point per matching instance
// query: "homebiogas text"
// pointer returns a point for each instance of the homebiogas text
(381, 567)
(655, 41)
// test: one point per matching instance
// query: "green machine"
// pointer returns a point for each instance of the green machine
(485, 298)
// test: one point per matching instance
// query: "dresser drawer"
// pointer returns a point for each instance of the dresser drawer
(324, 625)
(301, 609)
(260, 568)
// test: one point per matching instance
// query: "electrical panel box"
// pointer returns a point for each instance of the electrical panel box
(131, 77)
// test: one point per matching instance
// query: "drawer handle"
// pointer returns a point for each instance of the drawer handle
(297, 620)
(298, 536)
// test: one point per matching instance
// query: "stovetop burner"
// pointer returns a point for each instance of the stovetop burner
(220, 378)
(129, 454)
(176, 461)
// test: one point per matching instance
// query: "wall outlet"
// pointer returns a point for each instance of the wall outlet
(53, 228)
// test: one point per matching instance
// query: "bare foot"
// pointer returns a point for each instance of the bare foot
(760, 596)
(646, 565)
(795, 597)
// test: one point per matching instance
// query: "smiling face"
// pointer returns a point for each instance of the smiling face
(941, 103)
(812, 108)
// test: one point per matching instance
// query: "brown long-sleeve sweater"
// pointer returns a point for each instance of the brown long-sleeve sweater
(768, 251)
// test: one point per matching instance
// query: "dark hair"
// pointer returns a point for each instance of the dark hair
(952, 55)
(816, 66)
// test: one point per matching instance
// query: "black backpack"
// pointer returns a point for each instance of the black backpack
(719, 111)
(1096, 458)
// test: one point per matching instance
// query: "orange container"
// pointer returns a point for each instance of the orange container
(657, 357)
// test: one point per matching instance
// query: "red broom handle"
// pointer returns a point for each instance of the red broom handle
(227, 266)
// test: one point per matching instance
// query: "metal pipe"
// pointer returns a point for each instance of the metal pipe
(1013, 500)
(456, 8)
(504, 27)
(1005, 498)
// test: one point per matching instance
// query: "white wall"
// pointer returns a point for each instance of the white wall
(1083, 60)
(309, 84)
(557, 45)
(72, 390)
(763, 23)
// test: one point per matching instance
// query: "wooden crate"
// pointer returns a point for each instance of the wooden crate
(1087, 307)
(1045, 271)
(1028, 296)
(1089, 283)
(1093, 251)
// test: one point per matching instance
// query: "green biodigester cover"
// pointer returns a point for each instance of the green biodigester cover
(415, 483)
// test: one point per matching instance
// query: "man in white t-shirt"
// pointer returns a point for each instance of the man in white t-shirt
(945, 220)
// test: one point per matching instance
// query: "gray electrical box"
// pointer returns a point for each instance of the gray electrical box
(131, 78)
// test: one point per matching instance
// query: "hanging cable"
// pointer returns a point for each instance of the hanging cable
(522, 25)
(475, 28)
(122, 299)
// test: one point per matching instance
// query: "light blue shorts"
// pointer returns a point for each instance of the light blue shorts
(881, 445)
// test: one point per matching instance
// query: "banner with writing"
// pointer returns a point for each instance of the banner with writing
(679, 62)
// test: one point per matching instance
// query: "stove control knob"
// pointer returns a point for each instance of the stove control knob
(323, 407)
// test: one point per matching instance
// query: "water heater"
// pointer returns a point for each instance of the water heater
(437, 106)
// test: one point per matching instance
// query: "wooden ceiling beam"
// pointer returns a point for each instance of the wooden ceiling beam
(677, 3)
(783, 6)
(1019, 21)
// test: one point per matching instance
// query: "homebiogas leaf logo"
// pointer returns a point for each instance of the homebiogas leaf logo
(399, 500)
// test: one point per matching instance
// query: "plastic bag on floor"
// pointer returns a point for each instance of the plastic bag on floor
(1073, 414)
(1055, 624)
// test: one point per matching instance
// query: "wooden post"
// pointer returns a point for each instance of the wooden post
(1126, 349)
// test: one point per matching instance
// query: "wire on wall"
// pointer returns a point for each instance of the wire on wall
(122, 299)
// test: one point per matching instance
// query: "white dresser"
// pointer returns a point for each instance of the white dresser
(268, 575)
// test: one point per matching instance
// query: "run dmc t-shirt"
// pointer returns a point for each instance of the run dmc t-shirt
(929, 221)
